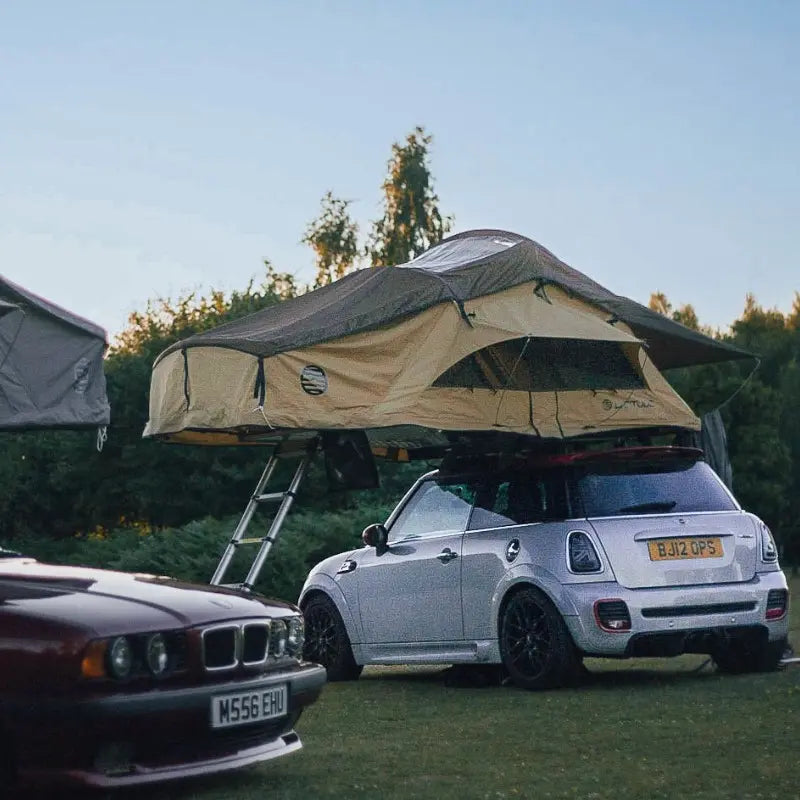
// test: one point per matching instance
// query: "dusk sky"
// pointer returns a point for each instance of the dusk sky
(152, 148)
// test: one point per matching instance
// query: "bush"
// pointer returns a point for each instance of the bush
(192, 552)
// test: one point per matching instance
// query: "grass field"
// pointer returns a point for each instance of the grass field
(640, 729)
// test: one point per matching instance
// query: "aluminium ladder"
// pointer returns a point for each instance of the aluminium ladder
(258, 498)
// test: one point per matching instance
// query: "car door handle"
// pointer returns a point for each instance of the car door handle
(447, 555)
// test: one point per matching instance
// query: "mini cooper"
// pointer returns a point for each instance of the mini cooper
(535, 562)
(109, 679)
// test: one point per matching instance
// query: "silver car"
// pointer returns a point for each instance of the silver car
(535, 562)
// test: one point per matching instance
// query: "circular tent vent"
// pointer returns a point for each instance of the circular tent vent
(314, 380)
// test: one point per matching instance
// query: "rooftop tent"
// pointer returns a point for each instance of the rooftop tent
(51, 365)
(486, 331)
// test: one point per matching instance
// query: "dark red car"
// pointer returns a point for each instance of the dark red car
(109, 679)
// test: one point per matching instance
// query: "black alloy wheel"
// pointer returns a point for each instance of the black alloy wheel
(327, 642)
(535, 645)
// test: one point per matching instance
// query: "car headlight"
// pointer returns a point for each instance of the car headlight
(156, 653)
(296, 637)
(278, 636)
(120, 657)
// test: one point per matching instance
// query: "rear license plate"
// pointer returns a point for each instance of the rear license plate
(243, 707)
(694, 547)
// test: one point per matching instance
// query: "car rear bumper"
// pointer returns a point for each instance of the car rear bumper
(125, 740)
(716, 610)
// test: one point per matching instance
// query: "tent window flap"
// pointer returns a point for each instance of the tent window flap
(540, 364)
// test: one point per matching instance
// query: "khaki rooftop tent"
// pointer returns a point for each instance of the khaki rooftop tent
(51, 365)
(485, 334)
(486, 331)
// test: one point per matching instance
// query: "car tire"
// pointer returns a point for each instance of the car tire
(535, 645)
(739, 657)
(327, 642)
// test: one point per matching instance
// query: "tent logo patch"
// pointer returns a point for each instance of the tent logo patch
(628, 404)
(81, 382)
(314, 380)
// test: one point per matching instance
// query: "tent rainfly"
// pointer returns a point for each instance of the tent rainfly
(51, 365)
(486, 331)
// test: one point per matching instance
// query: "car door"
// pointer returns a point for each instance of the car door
(517, 519)
(412, 591)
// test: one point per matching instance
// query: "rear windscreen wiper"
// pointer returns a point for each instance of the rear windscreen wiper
(656, 505)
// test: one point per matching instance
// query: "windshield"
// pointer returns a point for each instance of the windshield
(651, 488)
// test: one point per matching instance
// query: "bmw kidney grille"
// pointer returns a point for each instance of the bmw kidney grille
(226, 646)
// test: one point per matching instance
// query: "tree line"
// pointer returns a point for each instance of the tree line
(57, 487)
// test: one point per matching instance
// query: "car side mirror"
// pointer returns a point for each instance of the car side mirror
(376, 536)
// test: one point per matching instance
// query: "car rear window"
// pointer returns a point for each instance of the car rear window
(651, 488)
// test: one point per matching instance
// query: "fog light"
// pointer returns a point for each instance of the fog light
(612, 615)
(277, 638)
(157, 656)
(777, 603)
(120, 657)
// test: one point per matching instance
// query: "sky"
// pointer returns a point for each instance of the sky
(149, 149)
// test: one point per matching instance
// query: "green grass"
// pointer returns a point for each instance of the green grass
(641, 729)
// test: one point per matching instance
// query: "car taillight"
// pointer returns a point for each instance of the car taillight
(582, 555)
(769, 552)
(777, 603)
(612, 615)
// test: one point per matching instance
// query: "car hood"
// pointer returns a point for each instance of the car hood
(107, 602)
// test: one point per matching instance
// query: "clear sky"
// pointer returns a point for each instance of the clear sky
(148, 148)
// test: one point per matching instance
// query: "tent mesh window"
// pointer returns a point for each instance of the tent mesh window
(542, 364)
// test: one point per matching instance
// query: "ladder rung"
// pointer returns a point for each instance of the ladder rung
(251, 540)
(265, 498)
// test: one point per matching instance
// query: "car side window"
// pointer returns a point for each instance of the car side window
(436, 507)
(520, 500)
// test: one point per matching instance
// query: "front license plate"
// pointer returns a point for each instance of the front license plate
(243, 707)
(694, 547)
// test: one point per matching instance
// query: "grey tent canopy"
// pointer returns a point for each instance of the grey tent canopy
(51, 364)
(460, 268)
(7, 308)
(487, 330)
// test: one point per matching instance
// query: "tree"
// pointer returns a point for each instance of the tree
(794, 317)
(660, 304)
(686, 314)
(411, 221)
(333, 236)
(759, 411)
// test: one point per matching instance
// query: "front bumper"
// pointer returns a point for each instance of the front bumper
(138, 738)
(591, 639)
